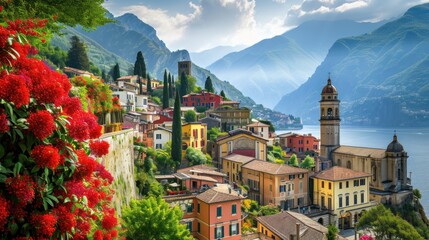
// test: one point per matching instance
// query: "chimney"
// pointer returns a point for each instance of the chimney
(297, 231)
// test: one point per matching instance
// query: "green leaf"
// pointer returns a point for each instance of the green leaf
(49, 201)
(2, 178)
(14, 228)
(53, 198)
(67, 199)
(46, 174)
(19, 133)
(22, 146)
(22, 158)
(35, 169)
(17, 168)
(45, 204)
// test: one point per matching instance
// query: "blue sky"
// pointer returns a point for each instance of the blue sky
(202, 24)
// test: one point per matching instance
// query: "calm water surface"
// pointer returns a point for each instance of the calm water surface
(414, 140)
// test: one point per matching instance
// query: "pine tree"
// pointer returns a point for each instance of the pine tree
(165, 91)
(170, 87)
(149, 84)
(116, 72)
(76, 56)
(140, 69)
(176, 144)
(209, 85)
(183, 85)
(222, 93)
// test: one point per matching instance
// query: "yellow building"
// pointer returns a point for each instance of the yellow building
(241, 142)
(231, 166)
(277, 184)
(194, 135)
(344, 192)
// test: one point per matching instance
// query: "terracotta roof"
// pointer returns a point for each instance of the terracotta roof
(213, 196)
(238, 158)
(202, 178)
(161, 128)
(284, 224)
(209, 170)
(126, 77)
(273, 168)
(337, 173)
(237, 132)
(361, 151)
(258, 124)
(229, 102)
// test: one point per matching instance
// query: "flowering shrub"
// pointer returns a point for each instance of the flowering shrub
(50, 187)
(366, 237)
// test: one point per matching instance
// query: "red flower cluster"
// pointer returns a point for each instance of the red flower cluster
(46, 156)
(66, 220)
(22, 187)
(4, 127)
(86, 164)
(41, 124)
(44, 224)
(13, 88)
(99, 148)
(109, 222)
(71, 105)
(4, 212)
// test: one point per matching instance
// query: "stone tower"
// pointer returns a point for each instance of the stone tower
(394, 167)
(184, 66)
(329, 121)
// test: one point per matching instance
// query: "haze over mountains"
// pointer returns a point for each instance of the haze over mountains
(209, 56)
(382, 77)
(276, 66)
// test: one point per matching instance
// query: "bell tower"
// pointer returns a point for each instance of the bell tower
(329, 120)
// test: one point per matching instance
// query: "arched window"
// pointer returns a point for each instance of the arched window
(339, 162)
(374, 173)
(329, 112)
(349, 165)
(322, 113)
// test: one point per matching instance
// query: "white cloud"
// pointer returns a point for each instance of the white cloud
(349, 6)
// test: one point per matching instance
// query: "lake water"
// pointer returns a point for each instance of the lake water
(414, 140)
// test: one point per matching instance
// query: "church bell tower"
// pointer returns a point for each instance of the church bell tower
(329, 121)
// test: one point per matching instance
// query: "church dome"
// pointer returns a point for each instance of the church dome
(329, 88)
(395, 146)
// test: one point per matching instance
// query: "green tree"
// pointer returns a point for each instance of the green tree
(271, 127)
(148, 166)
(190, 116)
(308, 162)
(140, 69)
(176, 144)
(170, 86)
(222, 93)
(165, 91)
(149, 84)
(268, 210)
(214, 133)
(163, 160)
(76, 56)
(332, 232)
(183, 84)
(385, 225)
(103, 76)
(293, 161)
(153, 219)
(116, 73)
(195, 156)
(416, 193)
(208, 85)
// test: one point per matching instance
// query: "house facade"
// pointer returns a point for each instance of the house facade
(299, 143)
(260, 129)
(231, 166)
(194, 135)
(277, 184)
(232, 117)
(202, 99)
(160, 137)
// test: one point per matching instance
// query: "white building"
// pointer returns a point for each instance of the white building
(141, 101)
(160, 137)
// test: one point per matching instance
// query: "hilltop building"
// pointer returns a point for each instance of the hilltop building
(387, 167)
(184, 66)
(203, 99)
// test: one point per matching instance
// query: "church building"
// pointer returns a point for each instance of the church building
(387, 167)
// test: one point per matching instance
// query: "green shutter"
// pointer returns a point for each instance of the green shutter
(230, 229)
(234, 208)
(222, 233)
(219, 212)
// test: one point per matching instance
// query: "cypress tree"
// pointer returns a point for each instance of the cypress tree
(76, 56)
(176, 143)
(116, 72)
(183, 85)
(170, 87)
(222, 93)
(209, 85)
(103, 76)
(140, 70)
(149, 84)
(165, 91)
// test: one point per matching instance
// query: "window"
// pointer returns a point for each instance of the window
(282, 188)
(301, 187)
(158, 136)
(291, 177)
(219, 212)
(329, 186)
(234, 209)
(189, 226)
(233, 229)
(323, 201)
(158, 146)
(219, 232)
(347, 200)
(355, 197)
(340, 201)
(190, 208)
(202, 133)
(341, 185)
(198, 208)
(323, 184)
(271, 188)
(356, 183)
(198, 227)
(349, 165)
(347, 184)
(301, 201)
(362, 197)
(362, 182)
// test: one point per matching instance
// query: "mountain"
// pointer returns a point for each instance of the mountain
(209, 56)
(273, 67)
(382, 77)
(122, 39)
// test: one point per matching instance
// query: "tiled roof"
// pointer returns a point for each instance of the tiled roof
(337, 173)
(273, 168)
(284, 224)
(258, 124)
(213, 196)
(204, 169)
(237, 132)
(238, 158)
(202, 178)
(361, 151)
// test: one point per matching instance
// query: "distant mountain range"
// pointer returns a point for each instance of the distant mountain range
(120, 41)
(382, 77)
(276, 66)
(209, 56)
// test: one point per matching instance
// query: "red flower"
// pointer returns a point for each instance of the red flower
(98, 235)
(71, 105)
(114, 233)
(4, 212)
(75, 187)
(46, 156)
(99, 148)
(78, 130)
(107, 236)
(86, 164)
(103, 173)
(66, 220)
(44, 224)
(109, 222)
(22, 187)
(4, 127)
(13, 88)
(41, 124)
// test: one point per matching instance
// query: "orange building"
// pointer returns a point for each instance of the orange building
(298, 143)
